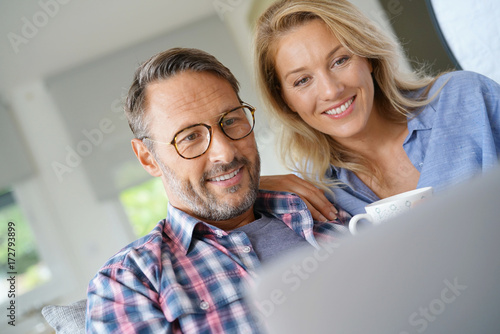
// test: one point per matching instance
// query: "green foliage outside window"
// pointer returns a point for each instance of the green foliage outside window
(145, 205)
(30, 270)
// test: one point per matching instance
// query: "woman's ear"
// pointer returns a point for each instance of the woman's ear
(146, 158)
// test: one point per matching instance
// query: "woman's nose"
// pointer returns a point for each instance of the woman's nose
(329, 86)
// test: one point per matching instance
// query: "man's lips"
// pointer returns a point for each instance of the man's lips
(340, 108)
(225, 177)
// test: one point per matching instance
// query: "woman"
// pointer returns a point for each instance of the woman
(352, 122)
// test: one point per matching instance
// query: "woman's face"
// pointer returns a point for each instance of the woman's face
(329, 87)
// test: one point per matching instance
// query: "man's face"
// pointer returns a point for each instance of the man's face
(222, 183)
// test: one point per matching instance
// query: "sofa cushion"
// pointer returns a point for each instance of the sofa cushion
(68, 319)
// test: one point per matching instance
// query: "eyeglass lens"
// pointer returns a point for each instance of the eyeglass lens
(194, 141)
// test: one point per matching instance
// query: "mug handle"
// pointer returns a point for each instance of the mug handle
(354, 222)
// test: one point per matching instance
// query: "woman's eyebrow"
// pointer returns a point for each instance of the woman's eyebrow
(335, 50)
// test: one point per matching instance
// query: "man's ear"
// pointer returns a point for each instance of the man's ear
(146, 158)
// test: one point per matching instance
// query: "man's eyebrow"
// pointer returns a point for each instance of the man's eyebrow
(215, 119)
(227, 109)
(331, 53)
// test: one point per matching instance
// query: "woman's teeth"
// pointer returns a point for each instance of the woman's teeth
(225, 177)
(340, 109)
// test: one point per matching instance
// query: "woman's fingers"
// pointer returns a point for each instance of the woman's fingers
(313, 197)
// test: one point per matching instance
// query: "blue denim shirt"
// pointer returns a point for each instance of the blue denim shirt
(453, 138)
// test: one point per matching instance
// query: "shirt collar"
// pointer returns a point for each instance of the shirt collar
(422, 120)
(180, 226)
(290, 209)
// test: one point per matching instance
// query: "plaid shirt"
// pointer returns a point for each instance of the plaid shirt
(186, 276)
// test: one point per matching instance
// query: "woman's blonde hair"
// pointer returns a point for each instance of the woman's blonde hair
(303, 148)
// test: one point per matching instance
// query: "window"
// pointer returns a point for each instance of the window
(21, 254)
(470, 33)
(43, 275)
(145, 205)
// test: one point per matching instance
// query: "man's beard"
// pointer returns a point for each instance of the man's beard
(204, 204)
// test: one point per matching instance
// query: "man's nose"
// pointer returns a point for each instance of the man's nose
(222, 148)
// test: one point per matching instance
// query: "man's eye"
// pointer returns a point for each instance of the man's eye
(188, 138)
(192, 136)
(228, 122)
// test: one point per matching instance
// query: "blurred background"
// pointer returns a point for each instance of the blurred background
(70, 183)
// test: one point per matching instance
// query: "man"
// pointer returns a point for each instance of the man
(193, 131)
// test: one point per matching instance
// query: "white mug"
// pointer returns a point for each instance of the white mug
(379, 211)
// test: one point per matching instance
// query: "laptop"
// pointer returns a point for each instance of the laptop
(435, 269)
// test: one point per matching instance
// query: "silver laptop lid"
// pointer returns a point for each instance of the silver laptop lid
(433, 270)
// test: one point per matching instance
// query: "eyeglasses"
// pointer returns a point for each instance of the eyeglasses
(195, 140)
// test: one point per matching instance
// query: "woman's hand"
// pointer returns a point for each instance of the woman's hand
(314, 198)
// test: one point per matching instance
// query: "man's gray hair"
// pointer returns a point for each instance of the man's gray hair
(165, 65)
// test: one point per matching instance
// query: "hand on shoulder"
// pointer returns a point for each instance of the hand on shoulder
(313, 197)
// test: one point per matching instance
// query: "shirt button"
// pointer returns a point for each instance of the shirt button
(204, 305)
(219, 233)
(247, 249)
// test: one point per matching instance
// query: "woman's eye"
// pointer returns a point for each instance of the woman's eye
(340, 61)
(300, 82)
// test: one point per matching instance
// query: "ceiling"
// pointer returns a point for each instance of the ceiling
(43, 37)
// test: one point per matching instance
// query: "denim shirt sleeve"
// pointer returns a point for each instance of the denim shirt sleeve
(462, 138)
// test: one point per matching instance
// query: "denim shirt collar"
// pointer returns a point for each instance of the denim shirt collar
(421, 121)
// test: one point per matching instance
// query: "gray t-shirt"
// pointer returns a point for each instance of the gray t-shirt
(270, 237)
